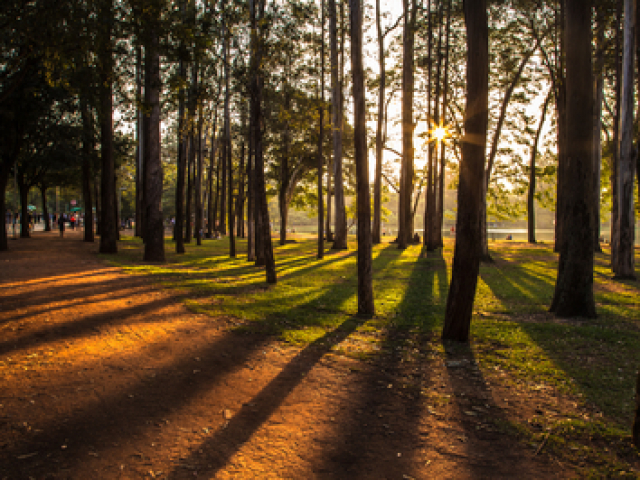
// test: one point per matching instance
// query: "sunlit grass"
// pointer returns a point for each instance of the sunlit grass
(512, 331)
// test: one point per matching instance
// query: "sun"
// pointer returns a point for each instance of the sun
(439, 133)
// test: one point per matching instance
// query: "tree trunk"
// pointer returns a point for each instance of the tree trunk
(466, 260)
(154, 224)
(531, 206)
(211, 208)
(377, 186)
(624, 268)
(320, 254)
(108, 221)
(88, 148)
(598, 85)
(445, 105)
(190, 184)
(365, 283)
(182, 158)
(140, 149)
(227, 140)
(241, 181)
(251, 203)
(405, 217)
(615, 151)
(340, 234)
(262, 211)
(45, 209)
(574, 285)
(199, 207)
(329, 194)
(98, 200)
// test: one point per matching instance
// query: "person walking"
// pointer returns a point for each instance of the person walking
(61, 225)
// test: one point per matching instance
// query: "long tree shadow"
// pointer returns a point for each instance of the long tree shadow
(217, 451)
(598, 356)
(379, 435)
(126, 412)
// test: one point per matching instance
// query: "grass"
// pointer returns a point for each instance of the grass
(593, 361)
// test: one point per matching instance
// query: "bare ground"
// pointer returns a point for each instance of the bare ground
(106, 375)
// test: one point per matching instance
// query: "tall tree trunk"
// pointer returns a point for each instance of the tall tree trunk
(140, 146)
(340, 234)
(598, 85)
(154, 224)
(262, 210)
(251, 202)
(574, 285)
(108, 221)
(199, 231)
(88, 148)
(405, 217)
(241, 173)
(445, 105)
(227, 141)
(45, 208)
(615, 151)
(190, 184)
(98, 201)
(377, 186)
(365, 282)
(320, 254)
(182, 158)
(466, 260)
(531, 205)
(625, 264)
(211, 208)
(23, 190)
(328, 221)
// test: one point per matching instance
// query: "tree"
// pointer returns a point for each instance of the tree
(466, 260)
(405, 213)
(263, 229)
(624, 265)
(108, 220)
(365, 285)
(573, 294)
(153, 222)
(340, 233)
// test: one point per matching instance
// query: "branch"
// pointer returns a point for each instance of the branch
(390, 183)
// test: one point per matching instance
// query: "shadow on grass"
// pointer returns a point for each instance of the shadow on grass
(596, 357)
(379, 435)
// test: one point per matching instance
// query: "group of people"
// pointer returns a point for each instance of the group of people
(73, 220)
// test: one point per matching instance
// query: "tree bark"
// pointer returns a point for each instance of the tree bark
(624, 268)
(88, 148)
(615, 151)
(182, 159)
(256, 79)
(340, 233)
(227, 141)
(574, 285)
(140, 147)
(405, 214)
(466, 260)
(108, 221)
(198, 231)
(377, 186)
(45, 209)
(154, 224)
(365, 282)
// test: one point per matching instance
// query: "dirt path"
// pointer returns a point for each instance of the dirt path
(105, 375)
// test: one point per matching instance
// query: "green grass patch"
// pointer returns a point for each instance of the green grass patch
(593, 360)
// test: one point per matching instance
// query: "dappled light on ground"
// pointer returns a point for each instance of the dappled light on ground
(196, 368)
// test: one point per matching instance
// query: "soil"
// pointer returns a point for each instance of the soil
(107, 375)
